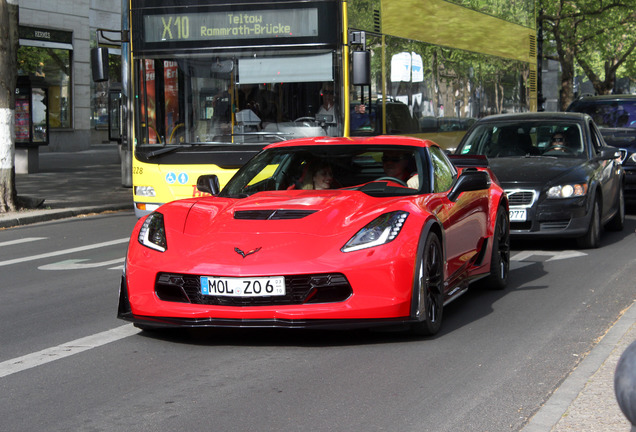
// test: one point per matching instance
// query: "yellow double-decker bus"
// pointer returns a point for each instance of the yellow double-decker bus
(208, 83)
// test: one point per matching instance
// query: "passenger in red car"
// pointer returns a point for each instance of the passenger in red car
(318, 176)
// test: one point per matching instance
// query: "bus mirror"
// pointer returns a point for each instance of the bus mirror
(361, 74)
(222, 67)
(99, 64)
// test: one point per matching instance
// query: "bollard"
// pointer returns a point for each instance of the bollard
(625, 384)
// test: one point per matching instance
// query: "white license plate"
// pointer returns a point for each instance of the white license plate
(518, 215)
(243, 287)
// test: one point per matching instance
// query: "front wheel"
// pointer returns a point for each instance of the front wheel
(428, 284)
(592, 238)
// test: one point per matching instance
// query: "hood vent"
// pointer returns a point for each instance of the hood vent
(272, 214)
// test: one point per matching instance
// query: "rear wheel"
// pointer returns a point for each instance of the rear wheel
(500, 258)
(618, 221)
(429, 283)
(592, 237)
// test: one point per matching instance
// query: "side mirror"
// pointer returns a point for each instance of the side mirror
(361, 68)
(209, 184)
(99, 64)
(469, 180)
(609, 153)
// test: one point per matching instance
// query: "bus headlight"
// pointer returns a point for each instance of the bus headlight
(567, 190)
(381, 230)
(153, 233)
(147, 191)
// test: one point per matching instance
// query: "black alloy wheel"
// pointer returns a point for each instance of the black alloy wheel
(429, 283)
(500, 258)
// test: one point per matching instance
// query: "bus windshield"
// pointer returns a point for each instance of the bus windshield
(194, 100)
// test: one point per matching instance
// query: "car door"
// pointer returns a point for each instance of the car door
(465, 220)
(608, 170)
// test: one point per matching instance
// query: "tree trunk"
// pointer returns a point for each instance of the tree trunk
(8, 78)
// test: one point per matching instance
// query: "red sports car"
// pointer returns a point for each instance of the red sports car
(322, 233)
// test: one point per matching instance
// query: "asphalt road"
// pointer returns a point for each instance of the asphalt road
(67, 363)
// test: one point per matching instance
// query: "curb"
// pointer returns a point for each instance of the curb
(36, 216)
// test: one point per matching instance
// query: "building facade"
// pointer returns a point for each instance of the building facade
(55, 42)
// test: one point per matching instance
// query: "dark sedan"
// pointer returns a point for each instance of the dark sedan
(615, 116)
(561, 178)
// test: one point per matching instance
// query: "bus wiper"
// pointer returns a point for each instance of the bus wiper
(163, 150)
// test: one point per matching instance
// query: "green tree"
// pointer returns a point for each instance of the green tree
(595, 36)
(8, 78)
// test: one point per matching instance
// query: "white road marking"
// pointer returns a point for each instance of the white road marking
(63, 252)
(79, 264)
(554, 255)
(76, 346)
(24, 240)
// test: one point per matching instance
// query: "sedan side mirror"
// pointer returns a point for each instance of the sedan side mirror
(469, 180)
(209, 184)
(609, 153)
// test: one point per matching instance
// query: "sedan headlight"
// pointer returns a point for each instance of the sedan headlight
(153, 233)
(632, 158)
(568, 190)
(381, 230)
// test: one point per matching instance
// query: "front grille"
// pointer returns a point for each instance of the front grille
(522, 198)
(272, 214)
(300, 289)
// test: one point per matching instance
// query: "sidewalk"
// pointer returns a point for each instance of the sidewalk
(72, 184)
(87, 182)
(585, 401)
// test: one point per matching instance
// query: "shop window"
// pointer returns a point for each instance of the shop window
(53, 65)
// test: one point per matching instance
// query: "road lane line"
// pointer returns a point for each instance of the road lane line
(24, 240)
(76, 346)
(79, 264)
(63, 252)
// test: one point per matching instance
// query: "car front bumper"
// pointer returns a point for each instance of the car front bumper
(568, 217)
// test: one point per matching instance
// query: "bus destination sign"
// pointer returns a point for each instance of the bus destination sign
(202, 26)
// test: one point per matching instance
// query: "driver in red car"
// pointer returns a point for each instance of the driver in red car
(401, 166)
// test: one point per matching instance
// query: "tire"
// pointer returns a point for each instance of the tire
(500, 258)
(618, 221)
(591, 239)
(428, 286)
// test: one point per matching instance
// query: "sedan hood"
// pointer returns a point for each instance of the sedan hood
(532, 170)
(620, 137)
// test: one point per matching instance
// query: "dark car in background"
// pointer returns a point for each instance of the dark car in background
(561, 178)
(615, 115)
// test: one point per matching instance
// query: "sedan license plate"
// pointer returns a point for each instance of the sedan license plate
(518, 215)
(243, 287)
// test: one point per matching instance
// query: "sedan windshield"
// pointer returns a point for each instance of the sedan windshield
(376, 170)
(520, 139)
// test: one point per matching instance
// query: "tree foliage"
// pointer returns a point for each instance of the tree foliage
(595, 37)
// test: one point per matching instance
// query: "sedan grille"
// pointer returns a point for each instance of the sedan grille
(300, 289)
(521, 198)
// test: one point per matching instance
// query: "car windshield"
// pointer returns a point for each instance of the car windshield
(376, 170)
(522, 139)
(608, 113)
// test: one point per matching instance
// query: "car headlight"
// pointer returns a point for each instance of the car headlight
(381, 230)
(632, 158)
(568, 190)
(147, 191)
(153, 233)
